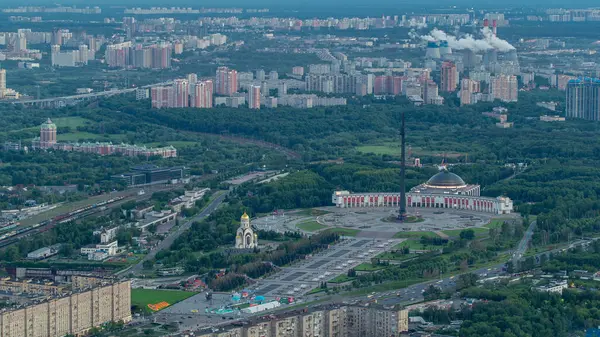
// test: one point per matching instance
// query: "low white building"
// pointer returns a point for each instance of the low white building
(44, 252)
(188, 200)
(107, 234)
(156, 218)
(100, 250)
(261, 307)
(98, 256)
(554, 287)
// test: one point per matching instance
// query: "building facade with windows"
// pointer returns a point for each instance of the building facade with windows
(443, 190)
(583, 99)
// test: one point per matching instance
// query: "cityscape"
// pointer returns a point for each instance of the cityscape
(315, 169)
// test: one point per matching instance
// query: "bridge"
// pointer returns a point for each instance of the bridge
(59, 102)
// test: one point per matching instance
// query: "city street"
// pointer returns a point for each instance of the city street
(166, 243)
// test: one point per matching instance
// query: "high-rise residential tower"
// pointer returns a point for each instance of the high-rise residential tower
(583, 99)
(505, 88)
(449, 78)
(181, 93)
(226, 81)
(203, 93)
(254, 97)
(2, 82)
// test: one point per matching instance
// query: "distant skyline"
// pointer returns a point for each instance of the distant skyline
(315, 4)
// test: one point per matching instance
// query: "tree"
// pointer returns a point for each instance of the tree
(467, 234)
(66, 249)
(510, 268)
(148, 264)
(466, 280)
(432, 293)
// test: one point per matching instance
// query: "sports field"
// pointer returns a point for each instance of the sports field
(143, 297)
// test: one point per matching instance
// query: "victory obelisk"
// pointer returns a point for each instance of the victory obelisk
(402, 210)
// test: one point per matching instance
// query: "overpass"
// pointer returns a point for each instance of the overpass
(58, 102)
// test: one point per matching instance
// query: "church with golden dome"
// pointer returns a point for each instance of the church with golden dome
(245, 237)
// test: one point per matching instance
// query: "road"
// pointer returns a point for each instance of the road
(83, 96)
(404, 296)
(168, 241)
(524, 243)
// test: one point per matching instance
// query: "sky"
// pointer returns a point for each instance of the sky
(307, 4)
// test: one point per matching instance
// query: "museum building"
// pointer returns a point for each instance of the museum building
(443, 190)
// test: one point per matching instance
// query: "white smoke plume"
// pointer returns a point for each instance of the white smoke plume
(467, 41)
(413, 23)
(415, 36)
(501, 45)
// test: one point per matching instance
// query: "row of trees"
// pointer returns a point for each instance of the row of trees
(524, 312)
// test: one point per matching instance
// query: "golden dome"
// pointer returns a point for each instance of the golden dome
(245, 216)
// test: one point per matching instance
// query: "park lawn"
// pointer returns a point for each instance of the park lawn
(343, 231)
(143, 297)
(316, 291)
(415, 235)
(380, 149)
(395, 256)
(495, 223)
(367, 267)
(71, 122)
(416, 244)
(77, 136)
(61, 122)
(386, 286)
(310, 226)
(393, 149)
(479, 231)
(309, 212)
(341, 279)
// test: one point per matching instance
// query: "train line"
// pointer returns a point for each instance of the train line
(13, 236)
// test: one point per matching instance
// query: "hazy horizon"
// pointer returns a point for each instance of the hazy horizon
(307, 4)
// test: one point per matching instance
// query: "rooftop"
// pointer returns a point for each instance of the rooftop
(445, 179)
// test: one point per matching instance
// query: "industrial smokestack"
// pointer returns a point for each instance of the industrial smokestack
(486, 23)
(445, 48)
(433, 50)
(494, 27)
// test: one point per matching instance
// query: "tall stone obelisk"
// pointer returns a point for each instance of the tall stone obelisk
(402, 210)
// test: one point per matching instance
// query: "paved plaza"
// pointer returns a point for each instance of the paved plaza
(305, 275)
(375, 222)
(375, 237)
(292, 281)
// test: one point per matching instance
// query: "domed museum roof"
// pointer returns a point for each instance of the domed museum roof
(445, 179)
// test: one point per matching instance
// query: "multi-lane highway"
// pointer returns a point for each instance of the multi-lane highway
(524, 243)
(83, 96)
(168, 241)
